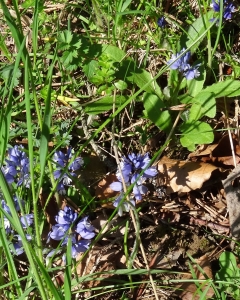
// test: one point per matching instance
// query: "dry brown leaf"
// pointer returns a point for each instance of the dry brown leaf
(182, 176)
(219, 154)
(203, 150)
(103, 191)
(189, 289)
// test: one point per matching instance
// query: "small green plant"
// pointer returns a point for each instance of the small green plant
(187, 87)
(229, 275)
(69, 44)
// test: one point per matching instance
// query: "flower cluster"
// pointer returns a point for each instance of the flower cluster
(70, 227)
(60, 174)
(181, 63)
(228, 8)
(161, 22)
(17, 167)
(25, 220)
(131, 167)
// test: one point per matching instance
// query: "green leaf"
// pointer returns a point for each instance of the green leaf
(28, 3)
(65, 39)
(89, 68)
(140, 77)
(196, 85)
(204, 104)
(7, 74)
(113, 52)
(228, 88)
(153, 106)
(127, 69)
(228, 260)
(121, 85)
(104, 104)
(195, 133)
(196, 29)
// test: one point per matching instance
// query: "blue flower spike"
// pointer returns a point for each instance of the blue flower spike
(62, 160)
(228, 8)
(161, 22)
(131, 166)
(182, 65)
(70, 227)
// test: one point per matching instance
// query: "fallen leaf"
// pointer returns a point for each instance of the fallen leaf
(182, 176)
(103, 191)
(219, 154)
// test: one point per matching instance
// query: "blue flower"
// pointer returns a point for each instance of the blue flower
(216, 5)
(66, 216)
(17, 167)
(161, 22)
(179, 63)
(5, 207)
(123, 206)
(138, 189)
(69, 227)
(9, 172)
(7, 225)
(59, 232)
(85, 229)
(18, 246)
(131, 167)
(182, 65)
(62, 160)
(16, 204)
(26, 220)
(79, 246)
(228, 9)
(191, 72)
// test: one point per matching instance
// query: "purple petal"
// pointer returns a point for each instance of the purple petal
(76, 164)
(116, 186)
(79, 247)
(59, 232)
(150, 172)
(26, 220)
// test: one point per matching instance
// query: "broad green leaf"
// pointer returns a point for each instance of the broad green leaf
(185, 99)
(204, 104)
(196, 29)
(228, 88)
(113, 52)
(196, 85)
(195, 133)
(153, 105)
(128, 70)
(104, 104)
(228, 260)
(89, 68)
(121, 85)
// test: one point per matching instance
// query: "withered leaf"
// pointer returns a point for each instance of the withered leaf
(219, 154)
(103, 191)
(182, 176)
